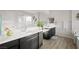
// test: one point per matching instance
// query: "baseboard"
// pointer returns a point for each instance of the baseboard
(70, 37)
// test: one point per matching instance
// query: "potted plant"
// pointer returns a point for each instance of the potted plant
(40, 23)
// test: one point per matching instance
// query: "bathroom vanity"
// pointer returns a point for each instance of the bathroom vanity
(49, 31)
(48, 34)
(26, 40)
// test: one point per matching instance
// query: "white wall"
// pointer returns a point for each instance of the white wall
(42, 16)
(75, 21)
(63, 21)
(8, 20)
(11, 19)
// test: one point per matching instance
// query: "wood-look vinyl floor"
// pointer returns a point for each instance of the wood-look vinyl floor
(57, 42)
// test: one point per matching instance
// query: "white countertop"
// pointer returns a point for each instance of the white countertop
(46, 28)
(18, 35)
(30, 31)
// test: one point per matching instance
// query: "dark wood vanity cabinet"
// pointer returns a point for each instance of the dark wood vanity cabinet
(49, 34)
(52, 31)
(10, 45)
(30, 42)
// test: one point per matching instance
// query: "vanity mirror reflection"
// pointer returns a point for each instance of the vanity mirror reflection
(25, 22)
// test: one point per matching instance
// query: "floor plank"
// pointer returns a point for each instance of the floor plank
(57, 42)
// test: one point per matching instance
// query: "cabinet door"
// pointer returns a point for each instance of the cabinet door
(47, 35)
(50, 33)
(31, 43)
(40, 38)
(53, 31)
(34, 42)
(10, 45)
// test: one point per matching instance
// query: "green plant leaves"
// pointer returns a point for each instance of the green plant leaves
(40, 23)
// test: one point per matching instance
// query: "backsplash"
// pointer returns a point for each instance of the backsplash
(14, 21)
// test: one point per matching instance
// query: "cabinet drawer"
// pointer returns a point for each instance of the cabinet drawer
(9, 44)
(31, 36)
